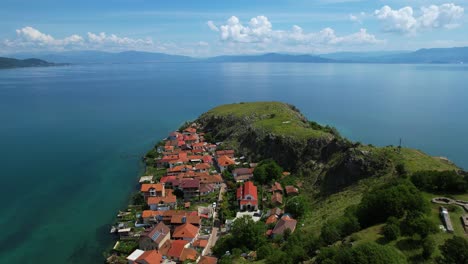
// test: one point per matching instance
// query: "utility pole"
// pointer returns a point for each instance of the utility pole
(399, 147)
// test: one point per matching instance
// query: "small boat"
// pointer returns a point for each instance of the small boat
(113, 230)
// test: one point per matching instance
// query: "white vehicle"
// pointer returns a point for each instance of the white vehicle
(214, 204)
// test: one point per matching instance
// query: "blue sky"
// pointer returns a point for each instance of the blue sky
(206, 28)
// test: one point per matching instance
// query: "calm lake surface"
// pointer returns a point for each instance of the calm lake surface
(71, 137)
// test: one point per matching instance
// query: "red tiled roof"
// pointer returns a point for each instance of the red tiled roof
(207, 159)
(225, 161)
(250, 189)
(147, 186)
(177, 246)
(245, 202)
(150, 213)
(165, 200)
(189, 183)
(167, 179)
(188, 253)
(271, 219)
(284, 223)
(150, 257)
(200, 243)
(202, 166)
(291, 189)
(242, 171)
(276, 187)
(186, 230)
(208, 260)
(277, 198)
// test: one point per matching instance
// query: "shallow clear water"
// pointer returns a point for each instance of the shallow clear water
(70, 136)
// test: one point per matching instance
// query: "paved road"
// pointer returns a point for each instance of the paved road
(211, 241)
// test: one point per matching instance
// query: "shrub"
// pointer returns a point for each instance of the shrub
(391, 232)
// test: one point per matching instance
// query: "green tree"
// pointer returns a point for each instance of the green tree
(391, 231)
(138, 199)
(265, 251)
(428, 246)
(267, 171)
(393, 199)
(247, 233)
(296, 206)
(417, 223)
(454, 251)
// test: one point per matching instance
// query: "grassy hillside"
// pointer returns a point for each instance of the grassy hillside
(273, 117)
(334, 173)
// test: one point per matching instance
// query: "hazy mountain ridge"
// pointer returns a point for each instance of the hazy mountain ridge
(436, 55)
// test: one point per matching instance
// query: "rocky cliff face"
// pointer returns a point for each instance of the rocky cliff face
(334, 162)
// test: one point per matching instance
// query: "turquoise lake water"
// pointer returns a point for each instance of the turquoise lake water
(70, 137)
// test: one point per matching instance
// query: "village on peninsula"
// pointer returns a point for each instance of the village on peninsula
(179, 221)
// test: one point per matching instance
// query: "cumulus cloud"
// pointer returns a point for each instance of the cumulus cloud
(404, 20)
(259, 30)
(31, 37)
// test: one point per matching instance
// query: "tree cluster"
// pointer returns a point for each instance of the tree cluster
(440, 181)
(267, 171)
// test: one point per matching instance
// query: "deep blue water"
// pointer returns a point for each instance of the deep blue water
(66, 132)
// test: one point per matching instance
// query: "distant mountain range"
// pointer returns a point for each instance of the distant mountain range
(271, 57)
(6, 63)
(438, 55)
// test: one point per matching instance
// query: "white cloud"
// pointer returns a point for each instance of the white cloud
(405, 21)
(260, 31)
(212, 26)
(33, 38)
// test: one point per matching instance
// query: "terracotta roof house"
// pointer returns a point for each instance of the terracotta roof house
(202, 167)
(190, 187)
(188, 254)
(247, 196)
(215, 179)
(271, 219)
(152, 189)
(284, 223)
(207, 188)
(177, 247)
(190, 131)
(291, 190)
(277, 199)
(224, 162)
(186, 232)
(200, 243)
(148, 257)
(185, 218)
(207, 159)
(242, 174)
(155, 238)
(228, 152)
(276, 187)
(208, 260)
(163, 203)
